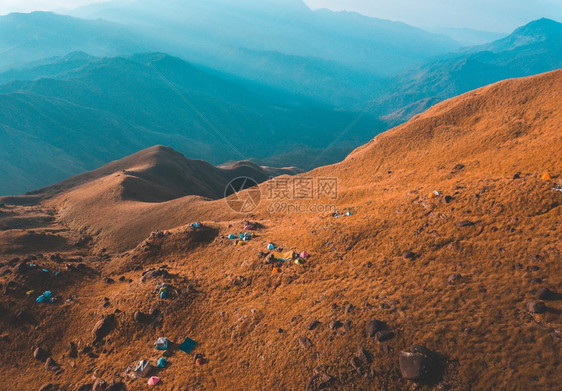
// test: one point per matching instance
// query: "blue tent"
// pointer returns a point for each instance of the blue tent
(187, 345)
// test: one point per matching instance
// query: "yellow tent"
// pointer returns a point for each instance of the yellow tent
(286, 256)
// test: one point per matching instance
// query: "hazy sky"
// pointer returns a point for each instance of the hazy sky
(490, 15)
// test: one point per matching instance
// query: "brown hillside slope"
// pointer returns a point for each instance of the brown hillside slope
(392, 260)
(134, 191)
(160, 174)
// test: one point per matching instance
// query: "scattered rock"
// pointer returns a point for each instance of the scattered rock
(87, 349)
(419, 364)
(108, 280)
(348, 308)
(346, 325)
(536, 307)
(103, 327)
(21, 268)
(51, 365)
(141, 317)
(356, 364)
(71, 350)
(545, 294)
(313, 324)
(453, 278)
(408, 255)
(305, 342)
(458, 167)
(384, 335)
(517, 175)
(46, 387)
(364, 356)
(320, 382)
(40, 354)
(326, 380)
(11, 287)
(373, 326)
(335, 324)
(151, 274)
(448, 199)
(465, 223)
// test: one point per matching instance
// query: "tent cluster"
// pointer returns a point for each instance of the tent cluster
(242, 238)
(285, 256)
(144, 369)
(46, 297)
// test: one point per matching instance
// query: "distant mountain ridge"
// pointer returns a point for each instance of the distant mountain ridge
(543, 30)
(291, 28)
(263, 40)
(531, 49)
(89, 112)
(25, 38)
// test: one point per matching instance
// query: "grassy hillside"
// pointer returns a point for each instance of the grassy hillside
(463, 273)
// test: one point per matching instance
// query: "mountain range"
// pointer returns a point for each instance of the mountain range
(80, 112)
(212, 28)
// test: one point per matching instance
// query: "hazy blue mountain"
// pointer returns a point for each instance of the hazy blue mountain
(543, 33)
(78, 118)
(531, 49)
(467, 36)
(287, 27)
(336, 57)
(47, 67)
(25, 38)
